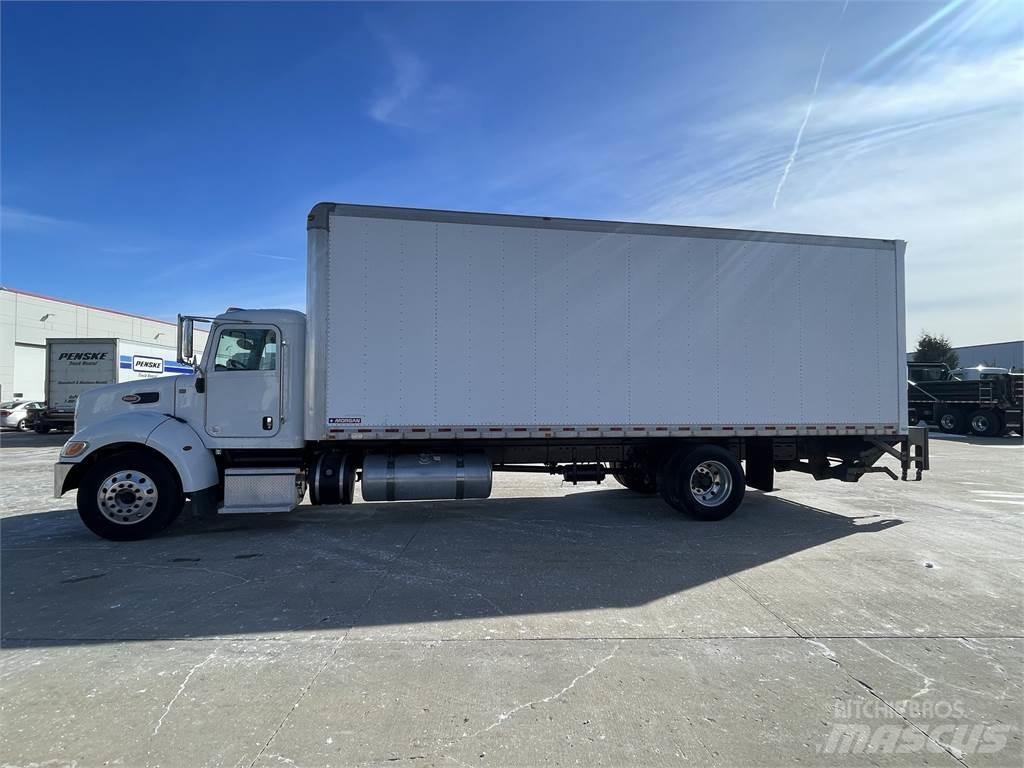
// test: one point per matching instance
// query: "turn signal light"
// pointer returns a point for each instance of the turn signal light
(73, 448)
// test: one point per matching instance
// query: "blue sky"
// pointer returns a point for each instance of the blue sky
(160, 158)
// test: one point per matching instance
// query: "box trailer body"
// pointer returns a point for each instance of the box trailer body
(438, 347)
(76, 365)
(529, 326)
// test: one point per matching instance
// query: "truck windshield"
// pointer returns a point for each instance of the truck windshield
(927, 373)
(246, 350)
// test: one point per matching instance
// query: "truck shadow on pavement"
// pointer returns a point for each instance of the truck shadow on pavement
(420, 570)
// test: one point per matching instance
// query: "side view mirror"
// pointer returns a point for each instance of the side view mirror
(185, 329)
(186, 337)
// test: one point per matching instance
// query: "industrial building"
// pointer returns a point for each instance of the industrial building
(27, 320)
(1006, 354)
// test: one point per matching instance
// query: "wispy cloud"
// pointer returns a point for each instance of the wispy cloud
(933, 157)
(408, 78)
(275, 257)
(807, 117)
(20, 219)
(906, 40)
(412, 98)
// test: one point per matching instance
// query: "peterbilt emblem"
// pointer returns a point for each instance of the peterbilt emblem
(131, 398)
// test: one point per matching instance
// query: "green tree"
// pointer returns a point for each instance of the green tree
(935, 349)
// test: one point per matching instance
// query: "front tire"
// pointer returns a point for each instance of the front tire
(41, 429)
(986, 423)
(706, 482)
(129, 496)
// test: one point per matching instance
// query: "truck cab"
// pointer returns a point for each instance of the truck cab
(919, 373)
(248, 386)
(140, 448)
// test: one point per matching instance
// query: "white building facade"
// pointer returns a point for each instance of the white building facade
(27, 320)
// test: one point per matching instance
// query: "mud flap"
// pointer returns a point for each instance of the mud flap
(760, 465)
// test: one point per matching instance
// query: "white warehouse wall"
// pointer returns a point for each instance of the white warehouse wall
(27, 320)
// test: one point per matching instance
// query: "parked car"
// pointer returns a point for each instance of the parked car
(15, 414)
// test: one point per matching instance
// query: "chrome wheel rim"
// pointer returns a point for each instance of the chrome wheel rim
(127, 497)
(980, 423)
(947, 421)
(710, 483)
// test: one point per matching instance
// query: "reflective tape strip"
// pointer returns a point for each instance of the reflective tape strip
(616, 431)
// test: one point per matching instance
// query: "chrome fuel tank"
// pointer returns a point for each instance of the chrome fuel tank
(391, 477)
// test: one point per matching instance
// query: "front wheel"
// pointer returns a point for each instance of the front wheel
(706, 482)
(129, 496)
(41, 429)
(986, 423)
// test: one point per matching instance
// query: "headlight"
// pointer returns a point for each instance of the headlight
(73, 448)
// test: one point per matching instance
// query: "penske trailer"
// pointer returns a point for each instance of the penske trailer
(439, 347)
(76, 365)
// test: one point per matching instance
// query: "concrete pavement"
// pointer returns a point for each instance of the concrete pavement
(827, 624)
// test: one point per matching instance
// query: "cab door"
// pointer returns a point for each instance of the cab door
(243, 384)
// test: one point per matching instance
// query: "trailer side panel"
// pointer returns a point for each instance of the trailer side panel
(438, 324)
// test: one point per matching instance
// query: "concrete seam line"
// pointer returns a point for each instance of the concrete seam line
(337, 645)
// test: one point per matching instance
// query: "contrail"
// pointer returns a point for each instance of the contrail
(807, 116)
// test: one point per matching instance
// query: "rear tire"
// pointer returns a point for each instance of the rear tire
(986, 423)
(952, 422)
(638, 480)
(129, 496)
(41, 429)
(23, 425)
(705, 482)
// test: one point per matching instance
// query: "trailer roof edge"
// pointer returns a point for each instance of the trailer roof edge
(319, 218)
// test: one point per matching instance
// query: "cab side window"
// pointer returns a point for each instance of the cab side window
(248, 349)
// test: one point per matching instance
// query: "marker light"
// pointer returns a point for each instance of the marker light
(73, 448)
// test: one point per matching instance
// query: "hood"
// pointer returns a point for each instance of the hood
(154, 394)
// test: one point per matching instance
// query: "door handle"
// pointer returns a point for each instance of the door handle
(268, 423)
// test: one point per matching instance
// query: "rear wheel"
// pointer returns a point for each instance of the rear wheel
(23, 425)
(129, 496)
(986, 423)
(639, 480)
(41, 429)
(705, 482)
(953, 422)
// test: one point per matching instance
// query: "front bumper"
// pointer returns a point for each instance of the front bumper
(60, 475)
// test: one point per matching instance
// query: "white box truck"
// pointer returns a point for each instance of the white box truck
(76, 365)
(438, 347)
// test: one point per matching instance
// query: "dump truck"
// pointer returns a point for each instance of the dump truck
(440, 347)
(983, 401)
